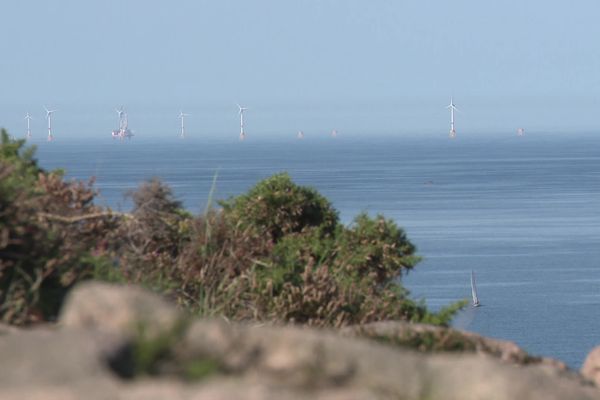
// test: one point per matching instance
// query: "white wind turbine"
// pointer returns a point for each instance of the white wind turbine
(28, 118)
(182, 116)
(49, 118)
(121, 112)
(452, 108)
(242, 133)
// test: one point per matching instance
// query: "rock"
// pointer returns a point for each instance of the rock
(294, 356)
(215, 359)
(231, 390)
(46, 357)
(591, 366)
(118, 310)
(430, 338)
(309, 360)
(7, 329)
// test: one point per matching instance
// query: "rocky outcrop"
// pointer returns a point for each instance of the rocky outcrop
(591, 366)
(431, 338)
(89, 356)
(117, 310)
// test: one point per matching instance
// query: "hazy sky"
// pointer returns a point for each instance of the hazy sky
(360, 66)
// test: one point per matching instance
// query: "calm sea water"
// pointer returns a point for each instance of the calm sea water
(522, 213)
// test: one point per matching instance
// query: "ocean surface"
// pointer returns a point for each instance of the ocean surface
(522, 212)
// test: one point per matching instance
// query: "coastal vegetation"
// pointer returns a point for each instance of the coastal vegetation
(277, 253)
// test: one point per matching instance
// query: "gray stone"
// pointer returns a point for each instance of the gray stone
(308, 360)
(50, 357)
(448, 340)
(72, 361)
(591, 366)
(118, 310)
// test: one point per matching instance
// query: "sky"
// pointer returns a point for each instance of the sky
(363, 67)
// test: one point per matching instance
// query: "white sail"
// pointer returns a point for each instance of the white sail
(474, 290)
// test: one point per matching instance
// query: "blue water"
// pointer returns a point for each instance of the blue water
(522, 213)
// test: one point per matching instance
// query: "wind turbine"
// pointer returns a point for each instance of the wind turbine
(28, 118)
(49, 118)
(121, 112)
(182, 116)
(452, 108)
(123, 131)
(300, 135)
(242, 133)
(122, 115)
(334, 133)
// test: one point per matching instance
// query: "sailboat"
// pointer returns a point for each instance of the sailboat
(474, 290)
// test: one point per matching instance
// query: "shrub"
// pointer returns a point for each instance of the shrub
(308, 270)
(48, 228)
(375, 249)
(158, 222)
(276, 207)
(216, 269)
(346, 278)
(148, 241)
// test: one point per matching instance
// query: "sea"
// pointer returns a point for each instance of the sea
(522, 213)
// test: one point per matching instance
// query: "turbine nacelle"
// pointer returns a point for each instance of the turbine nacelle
(120, 111)
(452, 106)
(49, 112)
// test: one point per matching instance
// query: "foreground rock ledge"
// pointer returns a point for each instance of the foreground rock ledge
(83, 359)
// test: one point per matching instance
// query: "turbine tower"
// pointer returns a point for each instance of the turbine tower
(121, 112)
(452, 108)
(182, 116)
(124, 131)
(242, 133)
(28, 118)
(49, 118)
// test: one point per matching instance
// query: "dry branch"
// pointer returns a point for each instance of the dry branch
(79, 218)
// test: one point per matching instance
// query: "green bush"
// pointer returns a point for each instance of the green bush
(276, 207)
(374, 248)
(312, 270)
